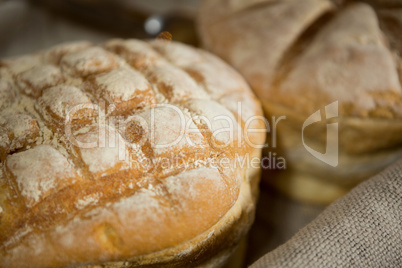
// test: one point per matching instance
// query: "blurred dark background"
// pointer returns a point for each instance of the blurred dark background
(29, 25)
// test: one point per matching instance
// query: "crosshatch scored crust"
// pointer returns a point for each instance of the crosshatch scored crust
(57, 197)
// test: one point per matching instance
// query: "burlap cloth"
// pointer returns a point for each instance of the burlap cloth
(362, 229)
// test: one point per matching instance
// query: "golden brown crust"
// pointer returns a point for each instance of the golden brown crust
(214, 247)
(85, 173)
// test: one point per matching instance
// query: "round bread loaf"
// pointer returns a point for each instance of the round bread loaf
(300, 57)
(127, 154)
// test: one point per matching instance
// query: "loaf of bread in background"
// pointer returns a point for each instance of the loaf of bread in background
(301, 56)
(117, 155)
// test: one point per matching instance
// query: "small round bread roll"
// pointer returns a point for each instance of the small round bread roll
(128, 154)
(342, 58)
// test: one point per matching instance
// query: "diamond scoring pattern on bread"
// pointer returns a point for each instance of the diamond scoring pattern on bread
(125, 88)
(18, 131)
(56, 104)
(39, 172)
(88, 61)
(63, 172)
(34, 80)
